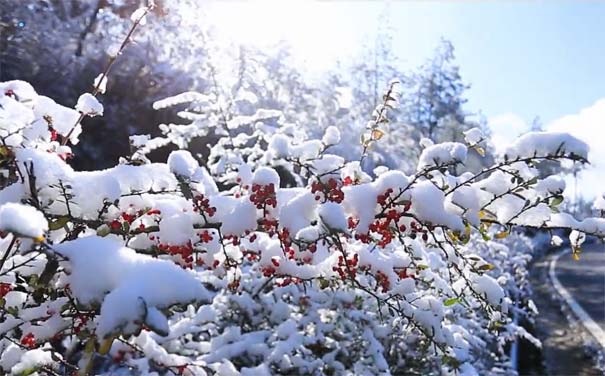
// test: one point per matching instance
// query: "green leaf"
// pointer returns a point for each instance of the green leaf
(103, 230)
(556, 201)
(486, 267)
(58, 223)
(28, 371)
(451, 302)
(324, 283)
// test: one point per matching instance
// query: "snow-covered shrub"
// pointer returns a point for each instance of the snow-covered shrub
(274, 256)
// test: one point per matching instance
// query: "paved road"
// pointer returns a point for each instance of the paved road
(563, 345)
(585, 280)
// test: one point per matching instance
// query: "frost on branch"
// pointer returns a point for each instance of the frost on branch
(130, 287)
(547, 144)
(267, 252)
(22, 220)
(89, 105)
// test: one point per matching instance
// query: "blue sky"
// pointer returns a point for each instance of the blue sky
(522, 59)
(530, 58)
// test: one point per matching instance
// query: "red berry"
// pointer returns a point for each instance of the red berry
(29, 340)
(5, 288)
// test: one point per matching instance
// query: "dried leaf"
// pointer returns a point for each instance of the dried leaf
(377, 134)
(480, 150)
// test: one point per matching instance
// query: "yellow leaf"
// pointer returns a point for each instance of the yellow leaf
(39, 239)
(377, 134)
(453, 236)
(480, 151)
(501, 235)
(575, 256)
(5, 151)
(89, 348)
(106, 345)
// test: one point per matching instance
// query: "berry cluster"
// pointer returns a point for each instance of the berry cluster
(403, 274)
(269, 226)
(331, 190)
(205, 236)
(185, 251)
(127, 217)
(263, 195)
(383, 281)
(386, 224)
(202, 204)
(287, 281)
(348, 266)
(80, 322)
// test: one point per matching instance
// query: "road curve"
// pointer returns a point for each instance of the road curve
(582, 285)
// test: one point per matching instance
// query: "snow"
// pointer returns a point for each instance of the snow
(126, 283)
(24, 91)
(331, 136)
(599, 203)
(488, 286)
(113, 50)
(89, 105)
(403, 239)
(182, 163)
(577, 238)
(241, 217)
(32, 359)
(298, 212)
(139, 141)
(15, 299)
(265, 176)
(101, 82)
(23, 220)
(139, 16)
(176, 227)
(333, 216)
(186, 97)
(551, 185)
(441, 154)
(395, 180)
(307, 150)
(473, 136)
(279, 146)
(10, 356)
(61, 118)
(593, 226)
(546, 144)
(428, 205)
(14, 116)
(426, 142)
(556, 241)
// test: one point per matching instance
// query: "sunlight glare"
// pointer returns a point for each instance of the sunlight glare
(317, 31)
